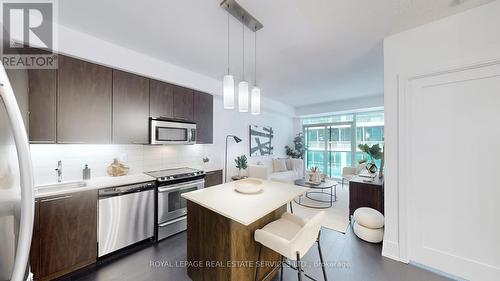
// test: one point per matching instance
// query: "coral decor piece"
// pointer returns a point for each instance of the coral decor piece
(117, 169)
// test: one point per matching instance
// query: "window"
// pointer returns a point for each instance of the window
(332, 141)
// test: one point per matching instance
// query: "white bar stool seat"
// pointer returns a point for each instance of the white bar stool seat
(291, 236)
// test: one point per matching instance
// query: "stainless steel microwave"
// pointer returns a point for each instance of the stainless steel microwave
(171, 131)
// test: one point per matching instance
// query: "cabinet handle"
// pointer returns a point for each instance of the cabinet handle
(56, 198)
(138, 142)
(41, 141)
(71, 142)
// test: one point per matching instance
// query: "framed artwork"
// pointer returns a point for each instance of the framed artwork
(261, 140)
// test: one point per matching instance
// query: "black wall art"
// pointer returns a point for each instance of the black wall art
(261, 140)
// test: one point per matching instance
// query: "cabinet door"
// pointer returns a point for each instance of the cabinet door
(204, 117)
(68, 233)
(183, 103)
(213, 178)
(161, 99)
(130, 108)
(84, 102)
(42, 105)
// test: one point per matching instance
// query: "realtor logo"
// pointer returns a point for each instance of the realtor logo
(28, 34)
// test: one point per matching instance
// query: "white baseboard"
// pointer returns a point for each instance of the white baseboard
(390, 249)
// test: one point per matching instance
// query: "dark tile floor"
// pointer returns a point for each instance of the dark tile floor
(348, 258)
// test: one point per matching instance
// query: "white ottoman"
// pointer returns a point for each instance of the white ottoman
(368, 224)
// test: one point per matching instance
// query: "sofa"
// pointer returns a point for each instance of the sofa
(279, 169)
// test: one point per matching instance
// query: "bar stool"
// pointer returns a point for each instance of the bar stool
(291, 237)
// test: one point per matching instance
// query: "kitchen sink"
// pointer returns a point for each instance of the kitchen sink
(63, 185)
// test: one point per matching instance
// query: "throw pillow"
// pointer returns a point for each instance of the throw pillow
(279, 165)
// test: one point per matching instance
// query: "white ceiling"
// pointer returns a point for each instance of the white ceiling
(309, 51)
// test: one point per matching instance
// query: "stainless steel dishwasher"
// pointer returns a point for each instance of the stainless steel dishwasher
(126, 216)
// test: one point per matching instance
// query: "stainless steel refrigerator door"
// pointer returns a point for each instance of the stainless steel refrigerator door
(125, 220)
(16, 187)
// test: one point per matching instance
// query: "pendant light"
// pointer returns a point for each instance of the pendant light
(255, 110)
(228, 81)
(243, 85)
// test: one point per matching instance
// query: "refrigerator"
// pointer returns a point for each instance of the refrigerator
(16, 187)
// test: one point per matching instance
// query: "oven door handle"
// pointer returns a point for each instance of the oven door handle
(172, 221)
(181, 186)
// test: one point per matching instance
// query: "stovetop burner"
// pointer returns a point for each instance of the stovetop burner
(173, 174)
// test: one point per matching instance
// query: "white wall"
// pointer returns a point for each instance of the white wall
(421, 68)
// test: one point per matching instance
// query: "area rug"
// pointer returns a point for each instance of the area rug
(336, 217)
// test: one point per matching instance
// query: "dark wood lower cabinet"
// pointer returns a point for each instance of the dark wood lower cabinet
(366, 194)
(213, 178)
(67, 234)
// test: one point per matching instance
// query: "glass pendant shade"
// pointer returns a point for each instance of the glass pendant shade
(228, 92)
(255, 101)
(243, 96)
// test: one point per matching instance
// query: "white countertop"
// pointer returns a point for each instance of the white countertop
(245, 208)
(95, 183)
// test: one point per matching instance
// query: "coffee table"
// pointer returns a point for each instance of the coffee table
(318, 189)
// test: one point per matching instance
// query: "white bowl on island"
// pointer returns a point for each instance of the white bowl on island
(248, 186)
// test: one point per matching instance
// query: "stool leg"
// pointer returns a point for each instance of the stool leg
(321, 259)
(282, 262)
(291, 207)
(256, 265)
(299, 268)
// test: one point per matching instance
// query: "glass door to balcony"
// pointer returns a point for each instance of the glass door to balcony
(330, 147)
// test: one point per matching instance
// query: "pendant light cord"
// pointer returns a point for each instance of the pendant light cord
(255, 55)
(228, 50)
(243, 29)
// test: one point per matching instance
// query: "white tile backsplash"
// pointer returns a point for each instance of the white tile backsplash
(138, 157)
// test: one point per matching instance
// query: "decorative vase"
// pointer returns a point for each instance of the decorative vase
(240, 173)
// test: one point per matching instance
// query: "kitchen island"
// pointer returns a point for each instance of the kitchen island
(220, 229)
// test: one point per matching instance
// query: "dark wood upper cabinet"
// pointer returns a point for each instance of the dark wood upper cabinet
(84, 106)
(68, 233)
(183, 103)
(130, 108)
(161, 96)
(42, 105)
(204, 116)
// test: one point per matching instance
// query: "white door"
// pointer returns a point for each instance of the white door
(450, 150)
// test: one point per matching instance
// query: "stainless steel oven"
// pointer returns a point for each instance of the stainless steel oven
(172, 131)
(172, 207)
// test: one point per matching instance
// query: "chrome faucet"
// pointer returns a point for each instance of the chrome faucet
(59, 171)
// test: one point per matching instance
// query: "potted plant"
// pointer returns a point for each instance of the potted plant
(206, 161)
(299, 149)
(241, 164)
(374, 152)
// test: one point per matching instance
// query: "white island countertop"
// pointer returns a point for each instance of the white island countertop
(245, 208)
